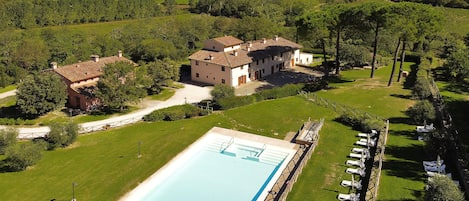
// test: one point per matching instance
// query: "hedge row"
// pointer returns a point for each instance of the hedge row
(362, 122)
(175, 113)
(278, 92)
(10, 121)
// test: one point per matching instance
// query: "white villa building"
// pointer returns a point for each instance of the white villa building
(231, 61)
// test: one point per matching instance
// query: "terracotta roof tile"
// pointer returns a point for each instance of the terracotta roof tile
(258, 50)
(87, 69)
(228, 41)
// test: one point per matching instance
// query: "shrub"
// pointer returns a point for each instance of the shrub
(442, 188)
(368, 124)
(363, 123)
(421, 89)
(315, 86)
(154, 116)
(191, 110)
(20, 157)
(222, 91)
(423, 111)
(61, 135)
(175, 114)
(7, 138)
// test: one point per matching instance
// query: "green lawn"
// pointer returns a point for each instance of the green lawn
(402, 177)
(165, 94)
(7, 88)
(105, 164)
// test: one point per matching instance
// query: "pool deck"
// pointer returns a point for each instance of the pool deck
(165, 171)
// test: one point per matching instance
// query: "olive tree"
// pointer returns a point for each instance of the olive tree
(441, 188)
(61, 134)
(7, 138)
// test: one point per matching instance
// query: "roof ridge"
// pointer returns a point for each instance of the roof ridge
(227, 60)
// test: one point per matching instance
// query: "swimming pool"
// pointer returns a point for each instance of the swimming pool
(222, 165)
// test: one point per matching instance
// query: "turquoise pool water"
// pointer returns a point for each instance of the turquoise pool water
(237, 174)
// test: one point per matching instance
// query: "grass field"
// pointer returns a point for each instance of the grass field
(402, 177)
(111, 156)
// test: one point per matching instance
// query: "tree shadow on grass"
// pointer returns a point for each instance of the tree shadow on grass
(412, 153)
(403, 169)
(408, 97)
(401, 120)
(10, 112)
(408, 134)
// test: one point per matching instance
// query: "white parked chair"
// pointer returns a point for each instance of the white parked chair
(358, 163)
(363, 142)
(425, 128)
(361, 156)
(439, 169)
(357, 171)
(432, 163)
(349, 197)
(366, 135)
(354, 184)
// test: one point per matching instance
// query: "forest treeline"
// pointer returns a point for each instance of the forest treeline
(143, 41)
(445, 3)
(38, 13)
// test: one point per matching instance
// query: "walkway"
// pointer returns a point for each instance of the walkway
(188, 94)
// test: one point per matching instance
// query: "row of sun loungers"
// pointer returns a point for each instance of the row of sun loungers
(358, 166)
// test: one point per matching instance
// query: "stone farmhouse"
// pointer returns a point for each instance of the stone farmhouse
(231, 61)
(81, 79)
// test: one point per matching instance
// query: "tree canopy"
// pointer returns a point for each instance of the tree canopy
(40, 93)
(118, 86)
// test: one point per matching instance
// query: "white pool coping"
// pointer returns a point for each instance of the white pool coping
(215, 133)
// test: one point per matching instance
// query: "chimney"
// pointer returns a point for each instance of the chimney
(248, 48)
(119, 53)
(276, 37)
(264, 40)
(210, 57)
(235, 53)
(53, 65)
(249, 44)
(95, 58)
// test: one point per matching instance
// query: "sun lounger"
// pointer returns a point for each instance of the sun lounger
(366, 135)
(432, 163)
(349, 197)
(432, 174)
(361, 156)
(435, 168)
(425, 128)
(359, 150)
(356, 184)
(357, 171)
(363, 142)
(357, 163)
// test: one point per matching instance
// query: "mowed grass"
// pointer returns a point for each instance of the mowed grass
(105, 164)
(402, 177)
(456, 20)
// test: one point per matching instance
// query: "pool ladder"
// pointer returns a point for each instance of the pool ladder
(227, 143)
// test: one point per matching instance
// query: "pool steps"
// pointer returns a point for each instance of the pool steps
(267, 156)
